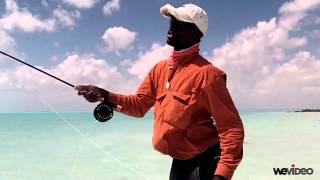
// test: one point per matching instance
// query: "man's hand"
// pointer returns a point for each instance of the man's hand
(217, 177)
(90, 93)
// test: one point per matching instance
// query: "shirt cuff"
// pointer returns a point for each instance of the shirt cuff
(114, 99)
(225, 171)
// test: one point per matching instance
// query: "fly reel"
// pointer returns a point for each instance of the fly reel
(103, 112)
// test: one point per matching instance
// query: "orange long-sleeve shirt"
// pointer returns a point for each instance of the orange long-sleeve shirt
(184, 107)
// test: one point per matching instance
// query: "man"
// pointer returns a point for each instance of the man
(194, 113)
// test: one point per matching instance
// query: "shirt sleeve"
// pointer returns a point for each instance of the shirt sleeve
(218, 102)
(139, 104)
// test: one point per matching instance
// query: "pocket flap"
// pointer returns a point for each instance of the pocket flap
(161, 95)
(184, 97)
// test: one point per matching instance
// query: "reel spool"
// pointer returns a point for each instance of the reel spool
(103, 112)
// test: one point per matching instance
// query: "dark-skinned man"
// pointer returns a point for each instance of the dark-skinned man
(196, 121)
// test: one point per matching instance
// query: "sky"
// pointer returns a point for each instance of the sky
(268, 48)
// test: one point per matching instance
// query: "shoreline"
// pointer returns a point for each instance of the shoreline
(308, 110)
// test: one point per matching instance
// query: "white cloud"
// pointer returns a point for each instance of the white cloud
(299, 6)
(111, 6)
(295, 83)
(17, 18)
(74, 69)
(82, 4)
(26, 22)
(22, 19)
(66, 18)
(258, 55)
(118, 38)
(148, 59)
(11, 5)
(126, 62)
(7, 43)
(302, 69)
(87, 69)
(28, 83)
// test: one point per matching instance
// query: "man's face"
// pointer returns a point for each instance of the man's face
(181, 34)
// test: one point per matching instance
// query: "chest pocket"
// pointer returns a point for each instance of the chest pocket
(179, 108)
(158, 106)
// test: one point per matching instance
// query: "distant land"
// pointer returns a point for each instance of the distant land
(308, 110)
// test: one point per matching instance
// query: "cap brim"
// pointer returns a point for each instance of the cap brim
(168, 10)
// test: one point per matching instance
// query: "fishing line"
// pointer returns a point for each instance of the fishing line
(81, 149)
(103, 112)
(108, 154)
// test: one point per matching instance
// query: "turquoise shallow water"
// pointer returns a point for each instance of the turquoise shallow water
(57, 146)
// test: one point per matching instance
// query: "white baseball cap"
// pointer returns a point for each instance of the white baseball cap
(188, 13)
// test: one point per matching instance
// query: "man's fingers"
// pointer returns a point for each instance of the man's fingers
(89, 92)
(80, 93)
(92, 95)
(92, 98)
(81, 87)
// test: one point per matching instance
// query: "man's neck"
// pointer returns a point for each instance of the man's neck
(186, 49)
(177, 48)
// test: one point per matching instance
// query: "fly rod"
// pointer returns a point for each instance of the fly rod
(23, 62)
(103, 112)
